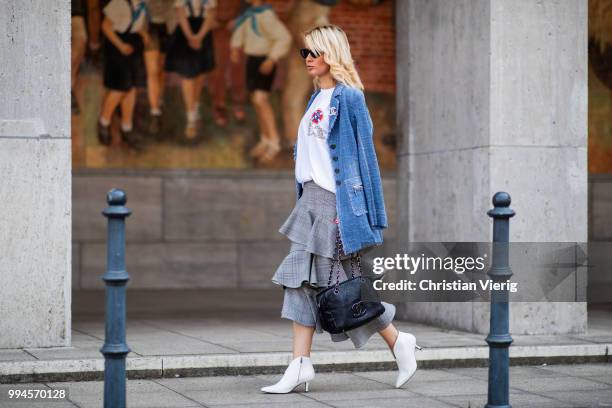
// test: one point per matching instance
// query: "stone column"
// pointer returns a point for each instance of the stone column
(35, 166)
(492, 96)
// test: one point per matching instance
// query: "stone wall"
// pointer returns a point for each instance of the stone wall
(492, 96)
(193, 229)
(35, 166)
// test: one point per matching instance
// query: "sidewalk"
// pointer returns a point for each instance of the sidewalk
(260, 343)
(553, 386)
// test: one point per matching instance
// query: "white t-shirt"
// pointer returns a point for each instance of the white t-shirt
(199, 7)
(120, 14)
(313, 161)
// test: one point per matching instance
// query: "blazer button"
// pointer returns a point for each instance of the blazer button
(333, 146)
(338, 182)
(337, 170)
(335, 158)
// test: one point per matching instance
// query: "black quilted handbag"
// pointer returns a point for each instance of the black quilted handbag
(349, 304)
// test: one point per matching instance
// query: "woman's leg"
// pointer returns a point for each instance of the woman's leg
(389, 334)
(111, 101)
(188, 85)
(267, 114)
(267, 122)
(127, 110)
(198, 89)
(162, 76)
(238, 93)
(78, 47)
(260, 147)
(258, 99)
(302, 340)
(154, 80)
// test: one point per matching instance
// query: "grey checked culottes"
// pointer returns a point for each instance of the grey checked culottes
(305, 270)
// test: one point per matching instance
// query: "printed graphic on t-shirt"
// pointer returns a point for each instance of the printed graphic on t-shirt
(314, 127)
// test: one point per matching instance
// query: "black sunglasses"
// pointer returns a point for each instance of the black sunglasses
(305, 51)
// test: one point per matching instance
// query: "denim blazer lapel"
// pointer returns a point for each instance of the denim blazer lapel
(334, 104)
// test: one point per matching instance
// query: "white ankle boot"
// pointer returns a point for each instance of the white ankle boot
(300, 371)
(403, 350)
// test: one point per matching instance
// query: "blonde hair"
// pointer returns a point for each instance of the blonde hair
(331, 41)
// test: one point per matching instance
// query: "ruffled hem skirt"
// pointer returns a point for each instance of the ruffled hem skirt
(305, 271)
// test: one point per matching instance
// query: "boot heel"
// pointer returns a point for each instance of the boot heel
(306, 386)
(418, 347)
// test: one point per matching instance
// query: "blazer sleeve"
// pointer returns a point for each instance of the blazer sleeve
(368, 163)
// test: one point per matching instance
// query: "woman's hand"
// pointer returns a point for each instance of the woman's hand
(267, 66)
(195, 42)
(125, 48)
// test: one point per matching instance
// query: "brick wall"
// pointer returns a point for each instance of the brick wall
(371, 32)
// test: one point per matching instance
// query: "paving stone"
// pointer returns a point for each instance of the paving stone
(523, 340)
(298, 404)
(515, 372)
(165, 345)
(544, 384)
(433, 388)
(600, 398)
(345, 386)
(580, 370)
(245, 346)
(389, 377)
(42, 404)
(140, 394)
(228, 390)
(601, 378)
(448, 388)
(382, 402)
(521, 400)
(15, 355)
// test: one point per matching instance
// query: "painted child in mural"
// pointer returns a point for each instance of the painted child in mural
(228, 77)
(78, 46)
(264, 39)
(155, 57)
(191, 54)
(303, 15)
(125, 33)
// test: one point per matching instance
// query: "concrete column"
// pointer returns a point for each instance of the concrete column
(492, 95)
(35, 237)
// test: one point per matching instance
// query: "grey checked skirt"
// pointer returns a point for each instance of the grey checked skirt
(304, 272)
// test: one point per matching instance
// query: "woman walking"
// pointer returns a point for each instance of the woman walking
(339, 196)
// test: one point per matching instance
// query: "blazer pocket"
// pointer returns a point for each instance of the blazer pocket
(354, 185)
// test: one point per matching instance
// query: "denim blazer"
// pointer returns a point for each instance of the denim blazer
(360, 202)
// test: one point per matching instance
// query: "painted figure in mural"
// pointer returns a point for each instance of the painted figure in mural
(340, 210)
(78, 46)
(191, 54)
(600, 85)
(161, 12)
(125, 30)
(264, 39)
(303, 15)
(227, 76)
